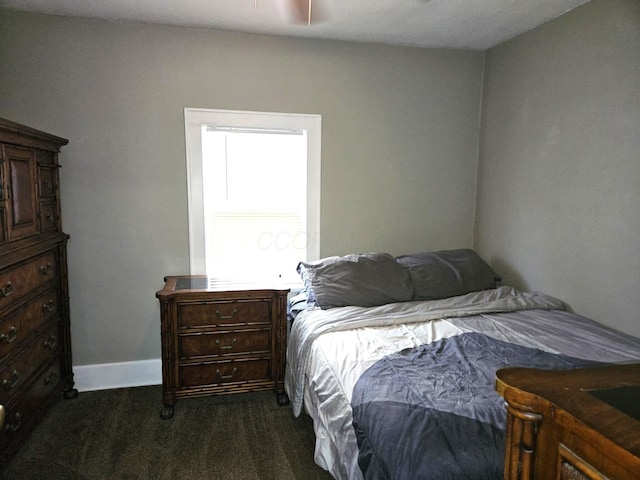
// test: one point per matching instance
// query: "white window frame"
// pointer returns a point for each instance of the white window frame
(195, 118)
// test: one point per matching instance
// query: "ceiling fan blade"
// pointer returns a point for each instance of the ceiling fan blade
(305, 12)
(301, 10)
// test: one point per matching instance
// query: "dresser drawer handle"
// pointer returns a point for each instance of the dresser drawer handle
(6, 290)
(49, 307)
(226, 317)
(9, 384)
(12, 427)
(226, 347)
(46, 269)
(226, 377)
(51, 343)
(51, 378)
(9, 337)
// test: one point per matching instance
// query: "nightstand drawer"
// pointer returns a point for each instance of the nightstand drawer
(223, 314)
(228, 343)
(219, 373)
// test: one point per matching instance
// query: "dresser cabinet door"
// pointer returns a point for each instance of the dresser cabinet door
(30, 193)
(20, 192)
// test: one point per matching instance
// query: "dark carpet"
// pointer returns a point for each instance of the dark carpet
(118, 434)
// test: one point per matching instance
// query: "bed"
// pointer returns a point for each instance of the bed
(395, 358)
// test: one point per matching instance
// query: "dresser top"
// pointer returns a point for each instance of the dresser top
(12, 132)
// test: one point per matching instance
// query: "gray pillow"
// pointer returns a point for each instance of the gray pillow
(448, 273)
(359, 279)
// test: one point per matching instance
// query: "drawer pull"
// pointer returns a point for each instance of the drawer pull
(51, 343)
(46, 269)
(226, 317)
(9, 384)
(9, 337)
(227, 347)
(226, 377)
(12, 427)
(49, 307)
(6, 290)
(51, 378)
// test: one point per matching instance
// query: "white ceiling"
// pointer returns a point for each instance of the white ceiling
(470, 24)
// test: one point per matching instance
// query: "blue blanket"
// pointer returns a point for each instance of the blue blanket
(432, 412)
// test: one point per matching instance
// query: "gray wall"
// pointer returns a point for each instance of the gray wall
(558, 206)
(399, 151)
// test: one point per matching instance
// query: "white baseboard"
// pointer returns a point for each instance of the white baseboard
(105, 376)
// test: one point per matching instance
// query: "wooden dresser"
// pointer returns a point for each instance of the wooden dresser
(35, 346)
(572, 424)
(220, 339)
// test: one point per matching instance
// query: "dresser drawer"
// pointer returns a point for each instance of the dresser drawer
(46, 182)
(227, 343)
(25, 364)
(218, 373)
(22, 410)
(48, 216)
(223, 314)
(17, 326)
(20, 280)
(44, 157)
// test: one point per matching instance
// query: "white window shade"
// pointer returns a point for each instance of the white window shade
(253, 194)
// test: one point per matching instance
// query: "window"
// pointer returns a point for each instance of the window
(254, 194)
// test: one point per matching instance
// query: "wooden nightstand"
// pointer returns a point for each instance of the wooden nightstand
(220, 339)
